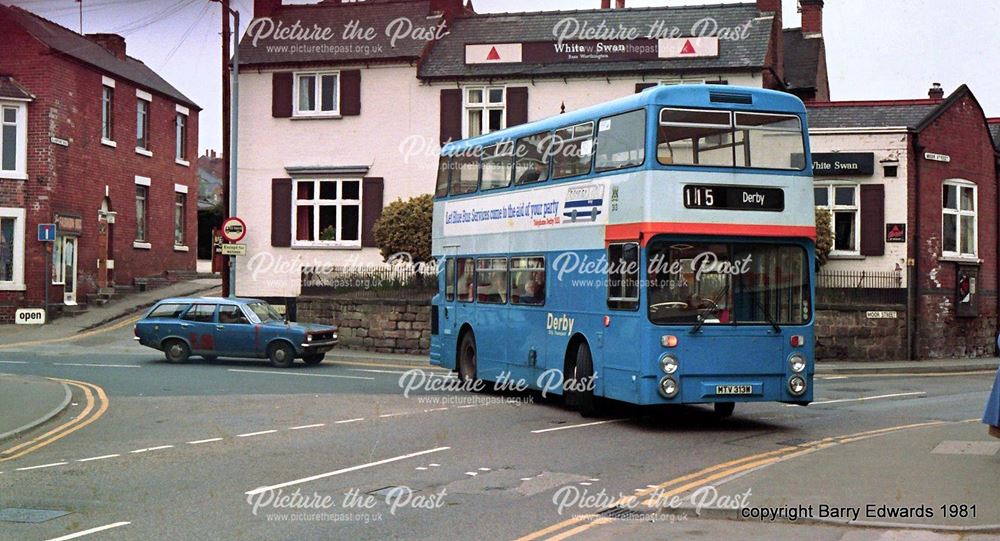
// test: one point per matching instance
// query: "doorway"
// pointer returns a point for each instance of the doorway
(69, 245)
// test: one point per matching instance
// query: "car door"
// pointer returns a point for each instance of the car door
(198, 327)
(234, 334)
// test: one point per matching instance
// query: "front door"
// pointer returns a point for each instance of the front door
(69, 270)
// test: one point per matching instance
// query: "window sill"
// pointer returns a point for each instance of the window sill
(846, 257)
(316, 117)
(325, 247)
(144, 152)
(185, 163)
(10, 286)
(142, 245)
(178, 248)
(12, 175)
(109, 143)
(968, 260)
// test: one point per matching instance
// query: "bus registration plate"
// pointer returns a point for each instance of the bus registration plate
(733, 389)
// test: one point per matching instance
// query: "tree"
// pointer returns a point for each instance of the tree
(824, 236)
(405, 226)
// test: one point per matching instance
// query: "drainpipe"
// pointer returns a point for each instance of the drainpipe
(912, 282)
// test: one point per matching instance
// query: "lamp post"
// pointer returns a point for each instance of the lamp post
(231, 109)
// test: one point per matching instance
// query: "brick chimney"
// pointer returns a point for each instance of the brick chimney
(936, 92)
(812, 16)
(265, 8)
(605, 4)
(776, 51)
(114, 43)
(619, 4)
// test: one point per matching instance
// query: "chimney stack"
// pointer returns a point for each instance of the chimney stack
(114, 43)
(619, 4)
(936, 92)
(812, 16)
(265, 8)
(605, 4)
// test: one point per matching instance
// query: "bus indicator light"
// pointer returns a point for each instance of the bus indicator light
(607, 321)
(668, 341)
(798, 341)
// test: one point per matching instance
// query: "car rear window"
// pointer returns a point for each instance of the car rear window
(168, 310)
(201, 312)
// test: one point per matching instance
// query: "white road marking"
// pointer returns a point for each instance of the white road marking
(593, 480)
(581, 425)
(196, 442)
(317, 425)
(863, 398)
(99, 365)
(421, 468)
(349, 421)
(468, 406)
(97, 458)
(526, 478)
(261, 433)
(42, 466)
(394, 414)
(400, 372)
(146, 450)
(435, 409)
(345, 470)
(832, 377)
(281, 373)
(484, 469)
(585, 484)
(90, 531)
(13, 362)
(433, 465)
(471, 473)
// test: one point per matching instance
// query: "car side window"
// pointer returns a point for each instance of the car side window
(169, 311)
(233, 315)
(202, 313)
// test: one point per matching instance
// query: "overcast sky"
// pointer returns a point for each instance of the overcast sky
(890, 49)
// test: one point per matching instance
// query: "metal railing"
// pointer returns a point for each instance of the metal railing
(859, 288)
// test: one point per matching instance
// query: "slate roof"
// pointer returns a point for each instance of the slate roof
(10, 88)
(880, 114)
(995, 131)
(801, 59)
(376, 15)
(446, 60)
(85, 50)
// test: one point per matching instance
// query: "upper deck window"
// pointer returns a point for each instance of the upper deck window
(444, 167)
(465, 172)
(727, 139)
(571, 150)
(621, 141)
(497, 163)
(532, 158)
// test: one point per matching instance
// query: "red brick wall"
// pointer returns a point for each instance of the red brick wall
(961, 133)
(73, 180)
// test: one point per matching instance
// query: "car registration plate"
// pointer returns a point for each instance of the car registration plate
(733, 389)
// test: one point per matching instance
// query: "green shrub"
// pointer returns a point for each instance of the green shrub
(824, 236)
(405, 226)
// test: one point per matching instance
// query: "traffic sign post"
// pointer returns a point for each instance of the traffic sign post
(233, 230)
(46, 234)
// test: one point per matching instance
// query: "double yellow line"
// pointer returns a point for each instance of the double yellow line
(664, 492)
(96, 403)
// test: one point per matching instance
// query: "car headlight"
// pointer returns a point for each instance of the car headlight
(334, 336)
(668, 363)
(668, 387)
(797, 363)
(797, 385)
(309, 338)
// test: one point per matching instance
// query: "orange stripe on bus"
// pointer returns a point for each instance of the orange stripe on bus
(648, 229)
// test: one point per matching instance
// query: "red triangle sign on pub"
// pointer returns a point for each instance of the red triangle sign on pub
(494, 55)
(688, 48)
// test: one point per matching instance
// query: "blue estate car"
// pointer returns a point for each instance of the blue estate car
(213, 327)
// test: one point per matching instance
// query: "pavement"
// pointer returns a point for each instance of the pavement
(29, 401)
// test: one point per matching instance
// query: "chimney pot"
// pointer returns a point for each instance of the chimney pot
(936, 92)
(619, 4)
(812, 16)
(605, 4)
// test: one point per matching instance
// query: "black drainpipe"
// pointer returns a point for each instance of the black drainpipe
(913, 283)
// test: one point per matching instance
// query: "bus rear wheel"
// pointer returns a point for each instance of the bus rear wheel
(581, 388)
(724, 409)
(467, 358)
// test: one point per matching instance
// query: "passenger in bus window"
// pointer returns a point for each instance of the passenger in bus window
(498, 293)
(533, 173)
(534, 289)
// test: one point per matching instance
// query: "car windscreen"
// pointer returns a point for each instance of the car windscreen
(264, 312)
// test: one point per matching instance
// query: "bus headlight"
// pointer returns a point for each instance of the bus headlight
(668, 363)
(797, 363)
(797, 385)
(668, 387)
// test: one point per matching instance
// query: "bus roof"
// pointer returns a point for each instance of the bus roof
(699, 95)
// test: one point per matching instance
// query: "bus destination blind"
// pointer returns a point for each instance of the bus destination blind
(733, 198)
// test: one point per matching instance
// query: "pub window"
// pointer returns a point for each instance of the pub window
(959, 229)
(327, 212)
(571, 150)
(491, 280)
(466, 279)
(842, 202)
(497, 163)
(621, 141)
(527, 280)
(318, 94)
(532, 158)
(485, 110)
(623, 276)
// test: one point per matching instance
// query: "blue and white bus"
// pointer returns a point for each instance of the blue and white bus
(655, 249)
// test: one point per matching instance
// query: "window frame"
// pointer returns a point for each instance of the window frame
(625, 304)
(553, 165)
(834, 208)
(597, 141)
(20, 170)
(107, 113)
(142, 130)
(959, 185)
(492, 152)
(459, 264)
(483, 107)
(510, 278)
(316, 203)
(17, 260)
(180, 225)
(181, 138)
(142, 226)
(481, 270)
(546, 158)
(194, 306)
(317, 111)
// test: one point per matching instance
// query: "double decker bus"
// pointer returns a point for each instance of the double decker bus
(654, 249)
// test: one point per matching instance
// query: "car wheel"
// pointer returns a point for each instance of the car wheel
(724, 409)
(583, 375)
(467, 358)
(281, 354)
(315, 358)
(176, 351)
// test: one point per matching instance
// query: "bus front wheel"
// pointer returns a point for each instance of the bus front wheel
(467, 358)
(724, 409)
(581, 388)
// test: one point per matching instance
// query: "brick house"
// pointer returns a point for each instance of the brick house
(912, 186)
(333, 129)
(99, 144)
